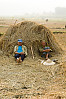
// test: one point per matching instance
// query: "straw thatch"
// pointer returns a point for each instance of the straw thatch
(31, 33)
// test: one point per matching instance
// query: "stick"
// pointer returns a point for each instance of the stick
(32, 53)
(15, 22)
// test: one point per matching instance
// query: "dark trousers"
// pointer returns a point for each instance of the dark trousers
(45, 53)
(19, 55)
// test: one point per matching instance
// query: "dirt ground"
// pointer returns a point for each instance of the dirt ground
(31, 79)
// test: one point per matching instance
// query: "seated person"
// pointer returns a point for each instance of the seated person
(44, 50)
(20, 51)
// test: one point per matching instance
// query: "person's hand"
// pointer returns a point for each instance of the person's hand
(47, 50)
(21, 53)
(16, 53)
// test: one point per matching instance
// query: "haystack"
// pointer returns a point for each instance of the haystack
(31, 33)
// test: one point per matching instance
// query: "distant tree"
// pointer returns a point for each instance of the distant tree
(60, 11)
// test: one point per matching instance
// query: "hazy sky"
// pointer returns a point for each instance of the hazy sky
(20, 7)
